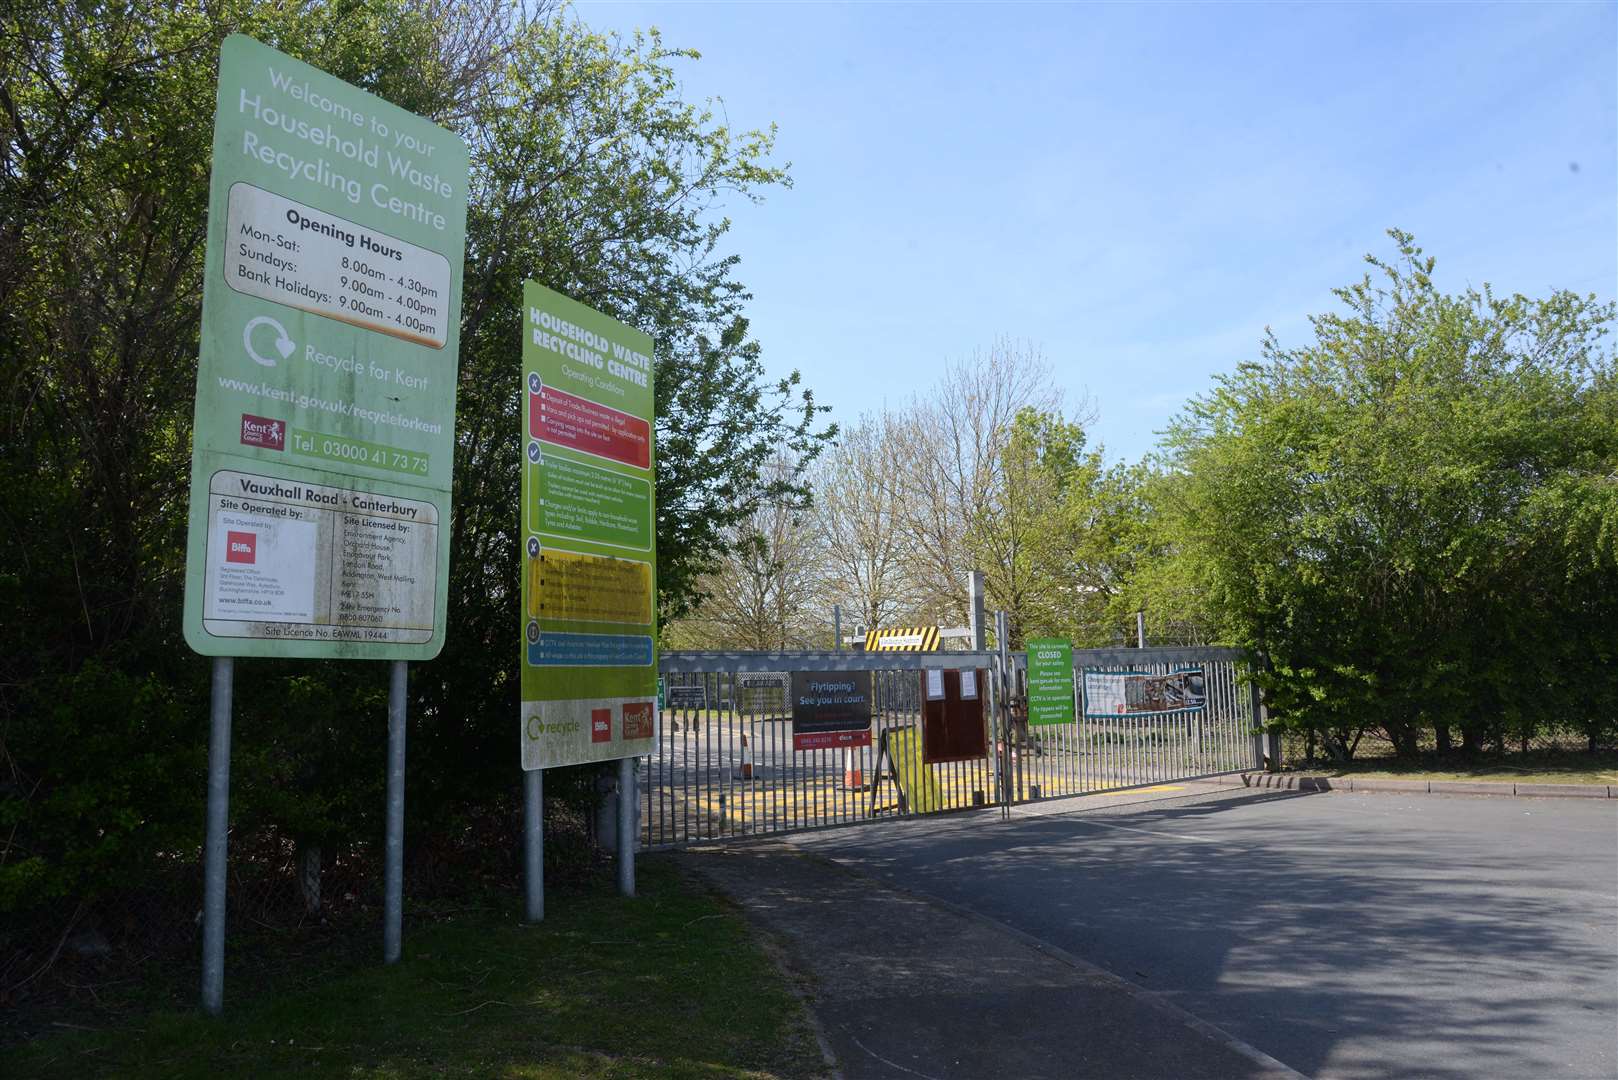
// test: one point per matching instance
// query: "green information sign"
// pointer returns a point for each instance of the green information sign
(1050, 681)
(325, 408)
(589, 586)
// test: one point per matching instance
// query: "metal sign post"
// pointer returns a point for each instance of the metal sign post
(533, 844)
(323, 442)
(393, 872)
(626, 826)
(214, 846)
(1004, 686)
(974, 601)
(589, 690)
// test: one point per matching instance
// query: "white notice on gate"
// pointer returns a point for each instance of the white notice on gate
(935, 684)
(260, 569)
(969, 684)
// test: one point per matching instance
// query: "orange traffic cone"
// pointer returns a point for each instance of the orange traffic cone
(853, 774)
(747, 758)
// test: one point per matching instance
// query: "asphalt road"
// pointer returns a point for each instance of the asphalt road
(1346, 935)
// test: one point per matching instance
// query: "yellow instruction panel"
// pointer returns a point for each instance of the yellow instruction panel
(589, 588)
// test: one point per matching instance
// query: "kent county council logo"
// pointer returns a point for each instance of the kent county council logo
(638, 720)
(263, 432)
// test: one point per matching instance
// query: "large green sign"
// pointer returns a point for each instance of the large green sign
(589, 583)
(1050, 681)
(325, 409)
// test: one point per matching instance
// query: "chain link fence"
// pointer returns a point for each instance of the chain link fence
(293, 911)
(1303, 748)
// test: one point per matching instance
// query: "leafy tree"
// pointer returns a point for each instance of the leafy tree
(105, 136)
(594, 178)
(590, 174)
(1014, 533)
(1411, 518)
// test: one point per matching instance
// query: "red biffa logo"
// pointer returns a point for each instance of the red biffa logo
(601, 725)
(241, 547)
(264, 432)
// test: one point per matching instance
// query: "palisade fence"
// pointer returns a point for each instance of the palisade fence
(725, 764)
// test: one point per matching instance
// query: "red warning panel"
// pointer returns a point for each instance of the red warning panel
(555, 416)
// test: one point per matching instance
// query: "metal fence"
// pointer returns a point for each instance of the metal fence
(1104, 753)
(725, 764)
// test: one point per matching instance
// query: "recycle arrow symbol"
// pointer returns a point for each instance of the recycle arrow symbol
(283, 344)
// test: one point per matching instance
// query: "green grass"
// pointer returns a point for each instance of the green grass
(1534, 767)
(671, 984)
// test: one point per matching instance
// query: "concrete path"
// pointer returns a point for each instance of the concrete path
(906, 987)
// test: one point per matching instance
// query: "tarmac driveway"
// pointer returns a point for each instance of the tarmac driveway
(1346, 935)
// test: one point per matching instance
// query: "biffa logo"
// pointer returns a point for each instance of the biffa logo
(241, 547)
(263, 431)
(601, 725)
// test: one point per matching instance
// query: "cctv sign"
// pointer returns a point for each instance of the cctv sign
(325, 407)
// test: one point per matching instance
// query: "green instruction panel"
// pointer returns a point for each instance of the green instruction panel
(1050, 681)
(589, 582)
(325, 408)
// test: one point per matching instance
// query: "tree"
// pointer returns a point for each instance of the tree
(596, 179)
(857, 513)
(1015, 532)
(105, 136)
(590, 173)
(763, 593)
(1411, 518)
(949, 465)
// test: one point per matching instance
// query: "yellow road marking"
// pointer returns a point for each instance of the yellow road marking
(832, 800)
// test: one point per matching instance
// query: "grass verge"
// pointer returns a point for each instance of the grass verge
(669, 984)
(1534, 767)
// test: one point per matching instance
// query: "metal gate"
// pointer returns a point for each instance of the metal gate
(725, 764)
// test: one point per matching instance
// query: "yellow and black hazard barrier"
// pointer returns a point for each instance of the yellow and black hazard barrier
(902, 639)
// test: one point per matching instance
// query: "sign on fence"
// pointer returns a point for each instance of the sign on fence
(589, 681)
(325, 404)
(686, 697)
(763, 692)
(902, 639)
(831, 709)
(1050, 681)
(1114, 693)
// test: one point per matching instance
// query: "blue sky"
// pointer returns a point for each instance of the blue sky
(1139, 190)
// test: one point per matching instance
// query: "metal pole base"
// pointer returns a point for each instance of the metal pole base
(214, 845)
(626, 826)
(393, 871)
(533, 844)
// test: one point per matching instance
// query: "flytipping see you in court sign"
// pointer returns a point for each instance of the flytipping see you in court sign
(325, 408)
